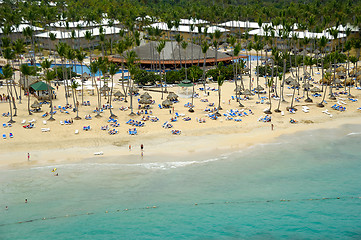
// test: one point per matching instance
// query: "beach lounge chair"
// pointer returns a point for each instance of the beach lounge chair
(11, 135)
(61, 122)
(4, 136)
(45, 129)
(23, 121)
(282, 113)
(44, 122)
(76, 131)
(32, 120)
(5, 125)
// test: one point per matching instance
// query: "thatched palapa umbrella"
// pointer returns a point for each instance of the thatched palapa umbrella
(145, 101)
(172, 96)
(134, 89)
(118, 94)
(36, 105)
(307, 85)
(315, 89)
(145, 96)
(167, 103)
(259, 88)
(247, 92)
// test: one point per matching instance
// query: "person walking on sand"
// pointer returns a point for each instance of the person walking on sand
(272, 126)
(141, 147)
(28, 156)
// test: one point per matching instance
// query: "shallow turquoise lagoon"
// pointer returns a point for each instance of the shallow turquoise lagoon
(304, 186)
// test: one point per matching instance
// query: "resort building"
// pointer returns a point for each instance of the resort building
(186, 31)
(76, 38)
(174, 56)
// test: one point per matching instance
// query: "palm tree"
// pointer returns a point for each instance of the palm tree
(217, 36)
(89, 37)
(80, 56)
(74, 85)
(61, 50)
(159, 48)
(103, 67)
(120, 48)
(132, 68)
(220, 81)
(9, 54)
(184, 46)
(52, 38)
(93, 70)
(70, 55)
(192, 74)
(179, 40)
(28, 32)
(113, 69)
(257, 46)
(204, 47)
(7, 74)
(48, 76)
(236, 50)
(19, 48)
(26, 70)
(270, 87)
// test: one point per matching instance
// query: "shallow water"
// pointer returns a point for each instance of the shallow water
(235, 196)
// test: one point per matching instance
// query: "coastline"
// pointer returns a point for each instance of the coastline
(162, 149)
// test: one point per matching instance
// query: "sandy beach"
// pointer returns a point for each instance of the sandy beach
(62, 145)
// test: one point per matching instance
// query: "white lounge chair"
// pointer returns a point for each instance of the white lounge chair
(76, 131)
(23, 121)
(44, 122)
(45, 129)
(61, 122)
(32, 120)
(282, 113)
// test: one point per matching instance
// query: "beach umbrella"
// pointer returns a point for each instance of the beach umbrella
(307, 85)
(247, 92)
(238, 89)
(289, 79)
(263, 59)
(341, 69)
(316, 89)
(306, 74)
(104, 89)
(145, 101)
(146, 96)
(118, 94)
(341, 74)
(86, 76)
(294, 83)
(304, 52)
(172, 96)
(134, 89)
(259, 88)
(348, 81)
(36, 105)
(167, 103)
(337, 81)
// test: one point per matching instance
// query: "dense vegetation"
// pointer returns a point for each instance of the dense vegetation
(313, 14)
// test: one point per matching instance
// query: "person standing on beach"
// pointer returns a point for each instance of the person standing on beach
(28, 156)
(272, 126)
(141, 147)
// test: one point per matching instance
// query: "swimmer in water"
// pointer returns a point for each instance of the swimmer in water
(26, 200)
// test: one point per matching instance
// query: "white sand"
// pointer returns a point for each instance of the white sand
(61, 145)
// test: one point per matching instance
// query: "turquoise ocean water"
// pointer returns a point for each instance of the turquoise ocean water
(239, 195)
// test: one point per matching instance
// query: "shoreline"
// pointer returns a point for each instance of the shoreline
(157, 150)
